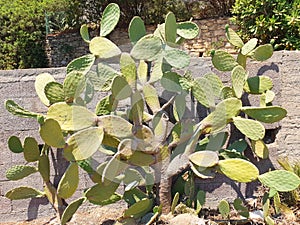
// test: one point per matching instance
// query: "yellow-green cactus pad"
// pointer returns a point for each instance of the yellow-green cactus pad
(280, 180)
(31, 150)
(204, 158)
(238, 77)
(269, 114)
(103, 48)
(51, 134)
(40, 82)
(139, 209)
(187, 30)
(251, 128)
(258, 84)
(233, 37)
(239, 170)
(20, 171)
(69, 182)
(110, 19)
(120, 88)
(223, 61)
(249, 46)
(71, 209)
(260, 149)
(71, 117)
(23, 193)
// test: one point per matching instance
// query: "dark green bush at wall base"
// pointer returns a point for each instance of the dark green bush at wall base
(275, 21)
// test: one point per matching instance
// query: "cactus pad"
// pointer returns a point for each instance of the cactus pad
(101, 192)
(44, 167)
(120, 88)
(17, 110)
(54, 92)
(85, 143)
(226, 92)
(151, 98)
(215, 83)
(187, 30)
(51, 134)
(115, 126)
(31, 150)
(82, 64)
(128, 69)
(71, 117)
(204, 173)
(74, 85)
(139, 209)
(258, 84)
(238, 77)
(270, 114)
(136, 29)
(223, 61)
(251, 128)
(15, 145)
(104, 106)
(19, 171)
(103, 48)
(69, 182)
(224, 208)
(110, 18)
(170, 29)
(233, 38)
(84, 33)
(146, 48)
(280, 180)
(260, 149)
(249, 46)
(71, 209)
(239, 170)
(40, 82)
(177, 58)
(203, 92)
(204, 158)
(170, 81)
(23, 193)
(263, 52)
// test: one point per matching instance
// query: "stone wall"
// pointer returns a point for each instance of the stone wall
(65, 46)
(18, 85)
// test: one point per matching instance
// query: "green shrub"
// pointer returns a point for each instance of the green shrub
(22, 34)
(275, 21)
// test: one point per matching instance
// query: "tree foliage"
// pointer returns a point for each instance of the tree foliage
(276, 21)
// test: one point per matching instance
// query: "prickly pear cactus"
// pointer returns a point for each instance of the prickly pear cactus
(146, 143)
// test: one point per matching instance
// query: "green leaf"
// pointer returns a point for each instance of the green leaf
(146, 48)
(251, 128)
(120, 88)
(233, 38)
(249, 46)
(177, 58)
(71, 117)
(19, 172)
(170, 29)
(258, 84)
(269, 114)
(187, 30)
(103, 48)
(82, 64)
(15, 145)
(238, 77)
(23, 193)
(51, 134)
(263, 52)
(85, 143)
(239, 170)
(223, 61)
(84, 33)
(280, 180)
(17, 110)
(139, 209)
(136, 29)
(110, 18)
(71, 209)
(74, 85)
(54, 92)
(31, 150)
(40, 83)
(69, 182)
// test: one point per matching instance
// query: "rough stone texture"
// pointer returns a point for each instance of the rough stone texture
(65, 46)
(19, 86)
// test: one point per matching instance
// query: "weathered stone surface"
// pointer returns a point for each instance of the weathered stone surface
(18, 85)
